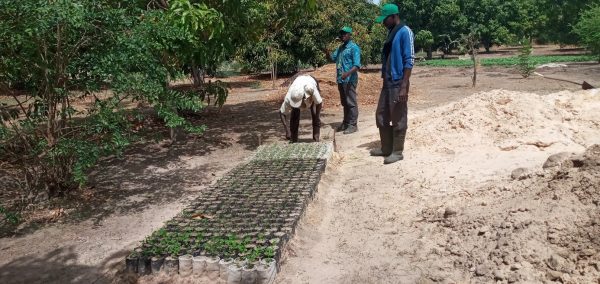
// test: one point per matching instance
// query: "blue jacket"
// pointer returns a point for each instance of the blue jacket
(350, 57)
(402, 55)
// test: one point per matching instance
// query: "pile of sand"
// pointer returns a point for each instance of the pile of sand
(541, 227)
(542, 222)
(510, 120)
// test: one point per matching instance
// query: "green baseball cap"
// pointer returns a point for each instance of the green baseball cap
(387, 10)
(346, 29)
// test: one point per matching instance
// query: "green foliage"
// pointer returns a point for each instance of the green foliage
(62, 52)
(526, 68)
(11, 217)
(588, 29)
(508, 61)
(364, 39)
(217, 91)
(424, 39)
(232, 246)
(497, 21)
(561, 16)
(297, 39)
(378, 35)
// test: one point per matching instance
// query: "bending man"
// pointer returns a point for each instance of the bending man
(303, 93)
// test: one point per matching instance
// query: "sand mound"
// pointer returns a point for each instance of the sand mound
(509, 120)
(541, 223)
(540, 228)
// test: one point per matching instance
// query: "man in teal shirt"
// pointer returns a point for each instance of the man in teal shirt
(347, 60)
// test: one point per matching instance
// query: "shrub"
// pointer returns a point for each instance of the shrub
(526, 67)
(588, 29)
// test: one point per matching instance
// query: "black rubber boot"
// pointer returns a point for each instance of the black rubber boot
(342, 127)
(385, 134)
(399, 137)
(351, 129)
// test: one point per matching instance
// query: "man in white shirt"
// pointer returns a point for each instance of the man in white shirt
(303, 93)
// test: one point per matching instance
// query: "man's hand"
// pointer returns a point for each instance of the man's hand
(403, 95)
(349, 73)
(327, 53)
(288, 134)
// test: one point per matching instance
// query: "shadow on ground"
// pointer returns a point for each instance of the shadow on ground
(155, 174)
(371, 145)
(43, 268)
(152, 173)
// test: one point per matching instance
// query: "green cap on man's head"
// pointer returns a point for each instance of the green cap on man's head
(387, 10)
(346, 29)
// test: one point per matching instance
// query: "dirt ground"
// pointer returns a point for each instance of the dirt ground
(369, 223)
(451, 212)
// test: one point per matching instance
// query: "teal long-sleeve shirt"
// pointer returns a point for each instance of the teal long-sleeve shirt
(346, 57)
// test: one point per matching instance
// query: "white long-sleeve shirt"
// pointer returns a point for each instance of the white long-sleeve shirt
(297, 96)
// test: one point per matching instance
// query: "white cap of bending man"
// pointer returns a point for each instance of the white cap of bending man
(297, 98)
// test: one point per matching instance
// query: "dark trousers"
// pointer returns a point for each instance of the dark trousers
(295, 122)
(390, 111)
(348, 98)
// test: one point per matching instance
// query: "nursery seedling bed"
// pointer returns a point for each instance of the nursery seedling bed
(237, 229)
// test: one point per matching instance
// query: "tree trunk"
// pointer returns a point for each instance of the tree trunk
(164, 4)
(51, 104)
(487, 47)
(273, 66)
(474, 58)
(274, 73)
(429, 53)
(198, 75)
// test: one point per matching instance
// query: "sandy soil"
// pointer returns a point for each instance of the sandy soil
(364, 226)
(451, 211)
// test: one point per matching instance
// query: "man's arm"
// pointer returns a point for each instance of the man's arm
(349, 73)
(404, 88)
(331, 56)
(315, 110)
(283, 117)
(288, 134)
(408, 60)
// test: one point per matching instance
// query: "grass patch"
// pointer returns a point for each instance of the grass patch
(255, 85)
(508, 61)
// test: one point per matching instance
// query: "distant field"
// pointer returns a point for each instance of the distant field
(509, 61)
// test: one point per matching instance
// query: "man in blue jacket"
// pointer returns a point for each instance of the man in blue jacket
(398, 59)
(347, 59)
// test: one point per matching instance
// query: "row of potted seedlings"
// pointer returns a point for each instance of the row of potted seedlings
(230, 258)
(298, 151)
(235, 232)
